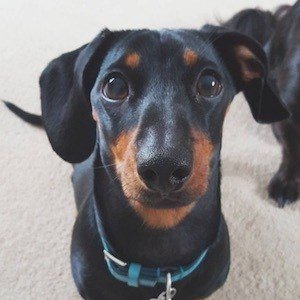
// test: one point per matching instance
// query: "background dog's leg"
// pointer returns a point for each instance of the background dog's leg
(285, 185)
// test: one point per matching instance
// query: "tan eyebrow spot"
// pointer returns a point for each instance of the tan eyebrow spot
(189, 57)
(132, 60)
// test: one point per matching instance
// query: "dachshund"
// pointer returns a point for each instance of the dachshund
(139, 114)
(279, 34)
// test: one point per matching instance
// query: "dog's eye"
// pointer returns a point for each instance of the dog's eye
(209, 85)
(115, 88)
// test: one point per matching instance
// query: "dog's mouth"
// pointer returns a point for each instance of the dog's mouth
(172, 201)
(162, 212)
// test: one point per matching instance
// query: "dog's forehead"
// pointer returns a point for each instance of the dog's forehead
(140, 46)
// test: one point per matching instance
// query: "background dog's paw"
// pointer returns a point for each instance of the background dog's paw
(284, 188)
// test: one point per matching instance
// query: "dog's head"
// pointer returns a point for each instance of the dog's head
(158, 99)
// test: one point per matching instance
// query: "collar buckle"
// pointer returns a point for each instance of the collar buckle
(108, 256)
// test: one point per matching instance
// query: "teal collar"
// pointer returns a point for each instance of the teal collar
(134, 274)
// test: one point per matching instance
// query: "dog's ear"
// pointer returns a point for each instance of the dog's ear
(247, 63)
(256, 23)
(65, 95)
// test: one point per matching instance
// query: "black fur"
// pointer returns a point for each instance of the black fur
(282, 44)
(255, 23)
(164, 106)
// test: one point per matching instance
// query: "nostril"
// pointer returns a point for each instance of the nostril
(180, 175)
(148, 175)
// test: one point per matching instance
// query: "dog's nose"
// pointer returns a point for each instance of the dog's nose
(164, 176)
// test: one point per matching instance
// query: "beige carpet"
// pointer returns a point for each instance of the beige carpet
(37, 209)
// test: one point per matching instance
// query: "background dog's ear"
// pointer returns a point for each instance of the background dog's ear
(65, 95)
(256, 23)
(247, 62)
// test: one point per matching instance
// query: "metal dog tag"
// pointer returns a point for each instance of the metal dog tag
(170, 291)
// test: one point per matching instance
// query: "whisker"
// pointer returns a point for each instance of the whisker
(209, 41)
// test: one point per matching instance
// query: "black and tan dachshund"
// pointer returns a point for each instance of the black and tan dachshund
(279, 33)
(140, 114)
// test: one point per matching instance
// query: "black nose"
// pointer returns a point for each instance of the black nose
(164, 175)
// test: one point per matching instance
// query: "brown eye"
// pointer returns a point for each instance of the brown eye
(116, 88)
(209, 85)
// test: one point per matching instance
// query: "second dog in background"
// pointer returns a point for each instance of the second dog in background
(279, 33)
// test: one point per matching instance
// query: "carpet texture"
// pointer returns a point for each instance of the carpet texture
(37, 209)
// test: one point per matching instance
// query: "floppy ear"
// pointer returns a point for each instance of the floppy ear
(65, 97)
(247, 63)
